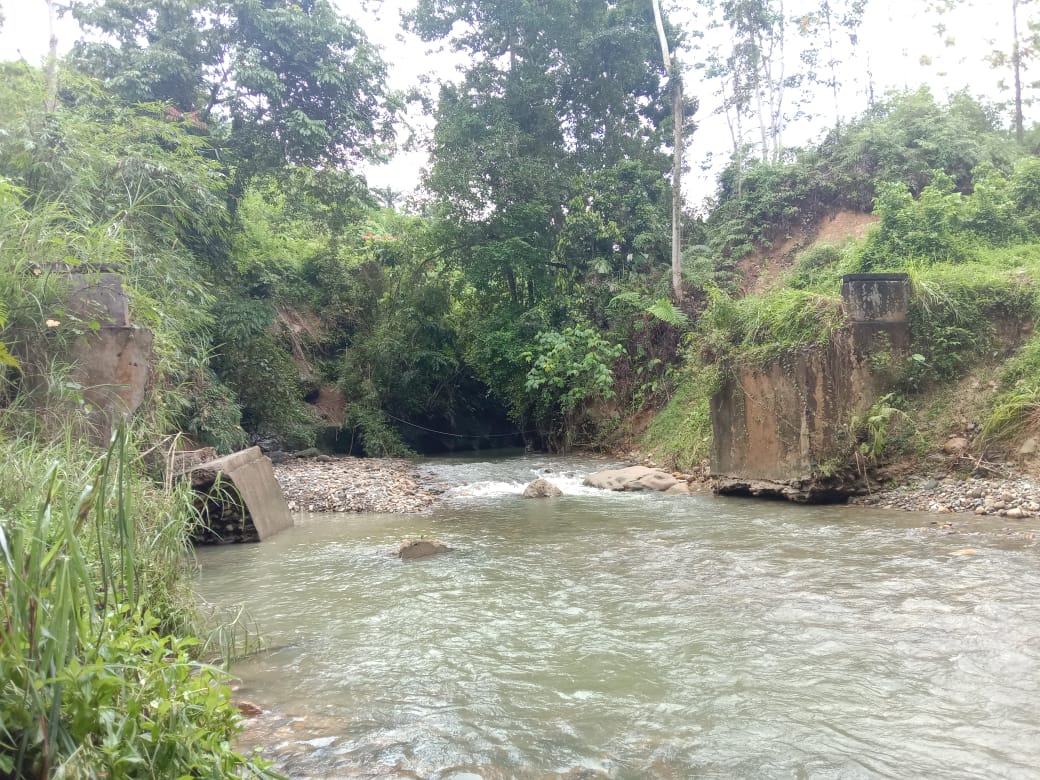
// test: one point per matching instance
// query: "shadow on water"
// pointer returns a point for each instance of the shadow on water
(634, 636)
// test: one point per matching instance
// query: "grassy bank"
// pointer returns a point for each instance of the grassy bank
(97, 654)
(974, 370)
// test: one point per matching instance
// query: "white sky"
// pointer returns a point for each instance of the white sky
(896, 34)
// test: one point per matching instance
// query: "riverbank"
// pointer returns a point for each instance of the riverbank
(347, 484)
(397, 485)
(384, 485)
(1016, 497)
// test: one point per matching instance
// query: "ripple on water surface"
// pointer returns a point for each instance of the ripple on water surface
(634, 635)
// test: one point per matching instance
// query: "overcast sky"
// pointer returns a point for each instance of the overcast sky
(898, 48)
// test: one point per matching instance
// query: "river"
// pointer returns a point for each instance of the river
(640, 636)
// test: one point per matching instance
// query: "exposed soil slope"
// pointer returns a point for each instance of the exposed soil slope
(762, 268)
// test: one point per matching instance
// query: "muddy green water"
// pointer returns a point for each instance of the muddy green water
(639, 636)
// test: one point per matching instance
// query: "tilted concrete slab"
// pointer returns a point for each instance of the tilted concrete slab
(250, 473)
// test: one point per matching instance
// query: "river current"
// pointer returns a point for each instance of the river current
(640, 636)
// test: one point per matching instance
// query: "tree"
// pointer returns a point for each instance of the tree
(278, 82)
(1023, 46)
(559, 93)
(820, 27)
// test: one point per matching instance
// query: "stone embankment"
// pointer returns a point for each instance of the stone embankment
(326, 484)
(1014, 497)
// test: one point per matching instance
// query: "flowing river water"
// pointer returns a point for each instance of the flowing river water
(635, 635)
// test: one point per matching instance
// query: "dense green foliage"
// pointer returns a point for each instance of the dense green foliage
(569, 369)
(899, 144)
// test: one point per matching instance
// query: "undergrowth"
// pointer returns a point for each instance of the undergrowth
(680, 435)
(98, 676)
(759, 328)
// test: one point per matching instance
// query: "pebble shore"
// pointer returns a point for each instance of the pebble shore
(347, 484)
(1013, 497)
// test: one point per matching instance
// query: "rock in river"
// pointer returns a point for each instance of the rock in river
(631, 478)
(421, 548)
(542, 488)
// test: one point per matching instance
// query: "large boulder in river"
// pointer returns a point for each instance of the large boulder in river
(631, 478)
(421, 548)
(542, 488)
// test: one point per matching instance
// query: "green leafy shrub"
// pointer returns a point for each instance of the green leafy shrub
(1025, 191)
(569, 369)
(262, 373)
(991, 212)
(873, 429)
(215, 418)
(932, 227)
(372, 434)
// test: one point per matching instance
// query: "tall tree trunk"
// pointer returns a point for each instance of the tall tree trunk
(832, 61)
(736, 131)
(671, 68)
(677, 120)
(51, 69)
(1016, 63)
(760, 109)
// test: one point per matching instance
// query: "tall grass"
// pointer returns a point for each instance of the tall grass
(97, 672)
(760, 328)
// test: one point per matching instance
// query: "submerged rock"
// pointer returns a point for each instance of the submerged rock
(421, 548)
(250, 710)
(542, 488)
(631, 478)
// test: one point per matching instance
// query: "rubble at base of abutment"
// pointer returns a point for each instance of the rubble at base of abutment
(800, 491)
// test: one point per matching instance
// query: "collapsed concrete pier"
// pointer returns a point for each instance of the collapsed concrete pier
(238, 499)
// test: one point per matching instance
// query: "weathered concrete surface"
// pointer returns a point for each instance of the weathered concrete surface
(631, 478)
(877, 306)
(876, 297)
(98, 298)
(240, 497)
(110, 359)
(112, 365)
(775, 424)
